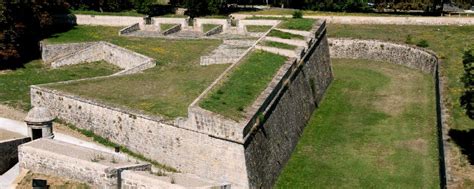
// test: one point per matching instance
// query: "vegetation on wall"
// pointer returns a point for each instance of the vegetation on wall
(467, 99)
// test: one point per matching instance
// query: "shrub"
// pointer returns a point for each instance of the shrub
(298, 14)
(422, 43)
(409, 39)
(467, 99)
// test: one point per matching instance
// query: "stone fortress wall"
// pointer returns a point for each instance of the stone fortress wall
(248, 153)
(76, 53)
(9, 152)
(101, 169)
(406, 55)
(184, 143)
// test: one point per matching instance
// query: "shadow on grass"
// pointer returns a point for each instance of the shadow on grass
(465, 140)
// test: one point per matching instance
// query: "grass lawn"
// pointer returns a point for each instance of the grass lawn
(165, 27)
(315, 13)
(257, 28)
(165, 90)
(15, 85)
(243, 85)
(448, 42)
(297, 24)
(208, 27)
(375, 128)
(123, 13)
(284, 35)
(278, 45)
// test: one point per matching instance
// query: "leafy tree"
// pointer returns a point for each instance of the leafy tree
(23, 24)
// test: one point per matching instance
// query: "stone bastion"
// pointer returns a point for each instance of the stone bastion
(249, 153)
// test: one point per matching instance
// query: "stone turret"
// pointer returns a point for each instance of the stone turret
(40, 123)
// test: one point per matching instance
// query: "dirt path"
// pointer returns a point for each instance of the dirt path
(396, 20)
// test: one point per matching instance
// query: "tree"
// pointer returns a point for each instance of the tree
(23, 24)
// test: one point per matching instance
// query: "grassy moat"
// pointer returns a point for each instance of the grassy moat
(375, 128)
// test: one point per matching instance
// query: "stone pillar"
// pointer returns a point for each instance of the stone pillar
(40, 123)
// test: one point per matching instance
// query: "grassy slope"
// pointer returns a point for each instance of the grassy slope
(165, 27)
(447, 41)
(208, 27)
(374, 129)
(284, 35)
(244, 84)
(297, 24)
(257, 28)
(14, 85)
(277, 45)
(123, 13)
(314, 13)
(166, 89)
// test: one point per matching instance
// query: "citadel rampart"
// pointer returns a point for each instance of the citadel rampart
(192, 146)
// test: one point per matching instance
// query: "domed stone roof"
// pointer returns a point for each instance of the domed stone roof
(39, 115)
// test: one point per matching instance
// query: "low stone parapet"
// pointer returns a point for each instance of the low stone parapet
(94, 167)
(133, 28)
(76, 53)
(214, 31)
(172, 30)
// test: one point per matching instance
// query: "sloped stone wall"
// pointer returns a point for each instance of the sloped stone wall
(9, 153)
(51, 52)
(302, 87)
(406, 55)
(76, 53)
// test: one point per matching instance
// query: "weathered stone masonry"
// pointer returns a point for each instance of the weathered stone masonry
(250, 154)
(9, 152)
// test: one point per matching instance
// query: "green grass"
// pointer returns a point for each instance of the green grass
(314, 13)
(258, 28)
(447, 41)
(243, 85)
(123, 13)
(14, 85)
(284, 35)
(165, 27)
(165, 90)
(278, 45)
(208, 27)
(297, 24)
(375, 128)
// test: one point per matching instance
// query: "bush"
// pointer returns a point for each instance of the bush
(422, 43)
(467, 99)
(298, 14)
(409, 39)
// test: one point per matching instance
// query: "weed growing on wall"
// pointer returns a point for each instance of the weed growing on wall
(423, 43)
(467, 99)
(109, 143)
